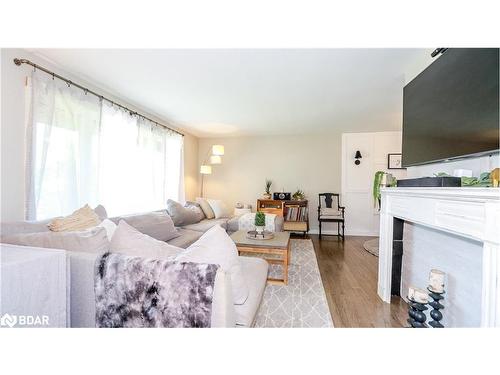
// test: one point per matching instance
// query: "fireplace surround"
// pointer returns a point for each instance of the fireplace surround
(472, 213)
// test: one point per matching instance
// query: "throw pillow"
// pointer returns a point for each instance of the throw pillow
(219, 208)
(83, 218)
(109, 226)
(216, 247)
(94, 240)
(101, 212)
(196, 208)
(207, 210)
(156, 224)
(181, 215)
(129, 241)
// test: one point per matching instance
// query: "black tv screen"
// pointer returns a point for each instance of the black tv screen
(450, 110)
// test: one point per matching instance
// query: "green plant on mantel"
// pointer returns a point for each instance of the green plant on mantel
(377, 181)
(484, 180)
(260, 219)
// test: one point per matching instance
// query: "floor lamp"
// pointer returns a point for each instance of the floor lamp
(214, 157)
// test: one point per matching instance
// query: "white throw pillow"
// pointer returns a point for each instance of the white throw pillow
(109, 226)
(207, 210)
(129, 241)
(219, 208)
(216, 247)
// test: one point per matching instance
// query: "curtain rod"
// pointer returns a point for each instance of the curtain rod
(18, 62)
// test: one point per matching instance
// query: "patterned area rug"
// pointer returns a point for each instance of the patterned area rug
(301, 303)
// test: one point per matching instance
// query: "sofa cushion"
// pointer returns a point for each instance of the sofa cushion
(255, 271)
(206, 224)
(207, 210)
(183, 215)
(219, 208)
(216, 247)
(156, 224)
(129, 241)
(94, 240)
(187, 237)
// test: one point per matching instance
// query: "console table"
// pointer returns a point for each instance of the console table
(472, 213)
(294, 212)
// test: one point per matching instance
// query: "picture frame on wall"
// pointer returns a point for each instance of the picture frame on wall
(395, 161)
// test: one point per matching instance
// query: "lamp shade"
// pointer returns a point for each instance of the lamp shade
(218, 150)
(206, 169)
(215, 159)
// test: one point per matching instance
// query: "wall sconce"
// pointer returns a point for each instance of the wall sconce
(357, 157)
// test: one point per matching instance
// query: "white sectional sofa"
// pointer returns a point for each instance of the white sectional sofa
(224, 312)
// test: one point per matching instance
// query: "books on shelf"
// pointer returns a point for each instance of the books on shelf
(296, 214)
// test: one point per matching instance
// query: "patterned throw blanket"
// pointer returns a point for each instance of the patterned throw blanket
(135, 292)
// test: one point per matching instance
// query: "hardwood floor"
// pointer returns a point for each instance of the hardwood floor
(349, 275)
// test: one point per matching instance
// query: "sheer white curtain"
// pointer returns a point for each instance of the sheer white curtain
(81, 150)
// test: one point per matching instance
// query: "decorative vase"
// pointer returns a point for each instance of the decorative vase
(266, 195)
(259, 229)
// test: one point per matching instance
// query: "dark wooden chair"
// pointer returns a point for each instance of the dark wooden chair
(330, 211)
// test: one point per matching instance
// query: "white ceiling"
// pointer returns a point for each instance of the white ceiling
(235, 92)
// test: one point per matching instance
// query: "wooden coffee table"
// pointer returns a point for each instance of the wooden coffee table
(279, 247)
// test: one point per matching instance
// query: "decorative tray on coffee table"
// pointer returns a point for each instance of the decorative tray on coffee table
(265, 235)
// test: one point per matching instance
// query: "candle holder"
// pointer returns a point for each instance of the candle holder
(417, 316)
(435, 314)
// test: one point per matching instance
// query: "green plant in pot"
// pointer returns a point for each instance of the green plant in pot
(381, 179)
(298, 195)
(260, 221)
(267, 194)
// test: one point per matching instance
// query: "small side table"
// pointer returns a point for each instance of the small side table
(241, 211)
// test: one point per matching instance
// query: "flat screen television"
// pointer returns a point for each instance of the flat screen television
(451, 109)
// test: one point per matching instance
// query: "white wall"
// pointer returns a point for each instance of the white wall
(13, 133)
(362, 218)
(309, 162)
(477, 165)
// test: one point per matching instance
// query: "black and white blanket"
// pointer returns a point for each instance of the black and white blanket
(136, 292)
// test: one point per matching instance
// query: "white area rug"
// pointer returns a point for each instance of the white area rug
(301, 303)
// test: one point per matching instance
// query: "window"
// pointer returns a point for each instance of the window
(83, 150)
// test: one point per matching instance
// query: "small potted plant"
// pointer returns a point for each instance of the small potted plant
(298, 195)
(260, 222)
(267, 194)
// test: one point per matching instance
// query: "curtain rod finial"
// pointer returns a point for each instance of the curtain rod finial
(17, 61)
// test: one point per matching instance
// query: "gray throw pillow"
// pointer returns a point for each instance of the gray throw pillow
(156, 224)
(193, 206)
(182, 215)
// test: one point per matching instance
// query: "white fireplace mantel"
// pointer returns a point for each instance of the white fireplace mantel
(472, 213)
